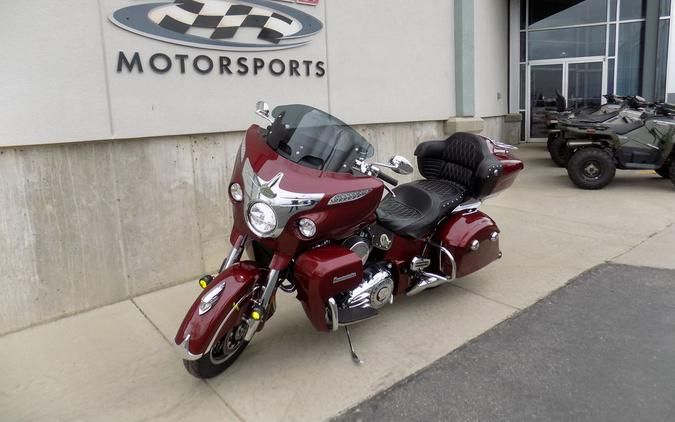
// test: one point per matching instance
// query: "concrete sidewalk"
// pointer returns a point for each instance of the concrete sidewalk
(117, 362)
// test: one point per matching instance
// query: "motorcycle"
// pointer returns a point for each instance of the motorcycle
(308, 210)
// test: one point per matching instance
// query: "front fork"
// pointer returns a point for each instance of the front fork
(268, 288)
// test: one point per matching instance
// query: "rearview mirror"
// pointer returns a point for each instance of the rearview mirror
(400, 165)
(262, 109)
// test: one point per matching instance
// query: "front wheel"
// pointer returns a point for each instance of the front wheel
(559, 151)
(591, 168)
(223, 354)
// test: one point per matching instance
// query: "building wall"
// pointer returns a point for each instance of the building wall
(144, 204)
(492, 57)
(385, 61)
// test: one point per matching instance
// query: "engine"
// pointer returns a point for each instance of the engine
(377, 287)
(375, 291)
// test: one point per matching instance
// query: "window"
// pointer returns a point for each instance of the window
(553, 13)
(569, 42)
(633, 9)
(662, 60)
(629, 60)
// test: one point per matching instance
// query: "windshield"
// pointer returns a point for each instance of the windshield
(316, 139)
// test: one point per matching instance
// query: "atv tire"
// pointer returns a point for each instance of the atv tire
(559, 151)
(672, 172)
(591, 168)
(664, 170)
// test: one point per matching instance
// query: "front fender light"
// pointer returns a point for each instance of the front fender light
(210, 299)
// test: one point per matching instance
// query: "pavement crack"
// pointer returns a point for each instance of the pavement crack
(230, 408)
(151, 322)
(515, 308)
(648, 238)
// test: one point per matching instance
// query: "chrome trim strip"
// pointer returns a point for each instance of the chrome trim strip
(343, 278)
(452, 261)
(235, 253)
(470, 204)
(184, 350)
(344, 197)
(333, 314)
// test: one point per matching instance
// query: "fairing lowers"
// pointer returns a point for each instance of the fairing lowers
(204, 330)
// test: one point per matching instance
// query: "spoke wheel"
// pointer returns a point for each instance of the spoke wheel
(223, 354)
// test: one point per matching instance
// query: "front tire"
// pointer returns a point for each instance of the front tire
(559, 151)
(591, 168)
(223, 354)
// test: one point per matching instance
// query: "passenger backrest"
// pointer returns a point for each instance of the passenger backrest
(463, 158)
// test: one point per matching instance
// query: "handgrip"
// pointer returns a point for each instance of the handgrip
(388, 179)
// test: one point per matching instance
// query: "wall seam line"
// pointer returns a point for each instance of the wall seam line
(105, 70)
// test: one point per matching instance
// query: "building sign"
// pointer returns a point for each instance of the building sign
(251, 26)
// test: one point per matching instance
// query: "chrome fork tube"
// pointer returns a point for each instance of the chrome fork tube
(235, 254)
(268, 291)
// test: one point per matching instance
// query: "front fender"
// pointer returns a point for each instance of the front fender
(198, 333)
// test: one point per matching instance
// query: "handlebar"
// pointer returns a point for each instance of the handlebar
(388, 179)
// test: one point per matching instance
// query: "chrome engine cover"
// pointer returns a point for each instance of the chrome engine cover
(376, 290)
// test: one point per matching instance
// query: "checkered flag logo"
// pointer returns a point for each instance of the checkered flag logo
(222, 20)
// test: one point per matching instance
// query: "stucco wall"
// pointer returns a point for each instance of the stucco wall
(386, 61)
(492, 55)
(87, 224)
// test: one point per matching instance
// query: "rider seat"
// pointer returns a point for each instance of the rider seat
(455, 169)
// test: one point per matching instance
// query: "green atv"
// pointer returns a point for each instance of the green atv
(599, 149)
(617, 111)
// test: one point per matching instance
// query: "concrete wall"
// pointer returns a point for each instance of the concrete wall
(88, 224)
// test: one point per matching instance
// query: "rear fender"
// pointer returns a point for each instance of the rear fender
(198, 333)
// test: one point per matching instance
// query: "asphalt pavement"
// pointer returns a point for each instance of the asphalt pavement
(601, 348)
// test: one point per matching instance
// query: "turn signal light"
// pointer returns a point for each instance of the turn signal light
(256, 315)
(205, 281)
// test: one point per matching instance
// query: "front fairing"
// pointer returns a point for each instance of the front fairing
(296, 191)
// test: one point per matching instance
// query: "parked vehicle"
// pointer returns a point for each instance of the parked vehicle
(599, 149)
(628, 110)
(308, 209)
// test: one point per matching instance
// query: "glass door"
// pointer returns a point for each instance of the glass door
(555, 85)
(584, 85)
(546, 85)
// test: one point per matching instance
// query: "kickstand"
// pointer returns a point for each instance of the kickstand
(355, 358)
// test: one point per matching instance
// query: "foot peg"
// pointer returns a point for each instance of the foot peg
(355, 358)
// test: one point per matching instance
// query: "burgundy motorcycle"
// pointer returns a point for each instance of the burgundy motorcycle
(308, 210)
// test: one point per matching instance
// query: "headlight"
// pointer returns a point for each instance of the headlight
(236, 192)
(307, 227)
(262, 219)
